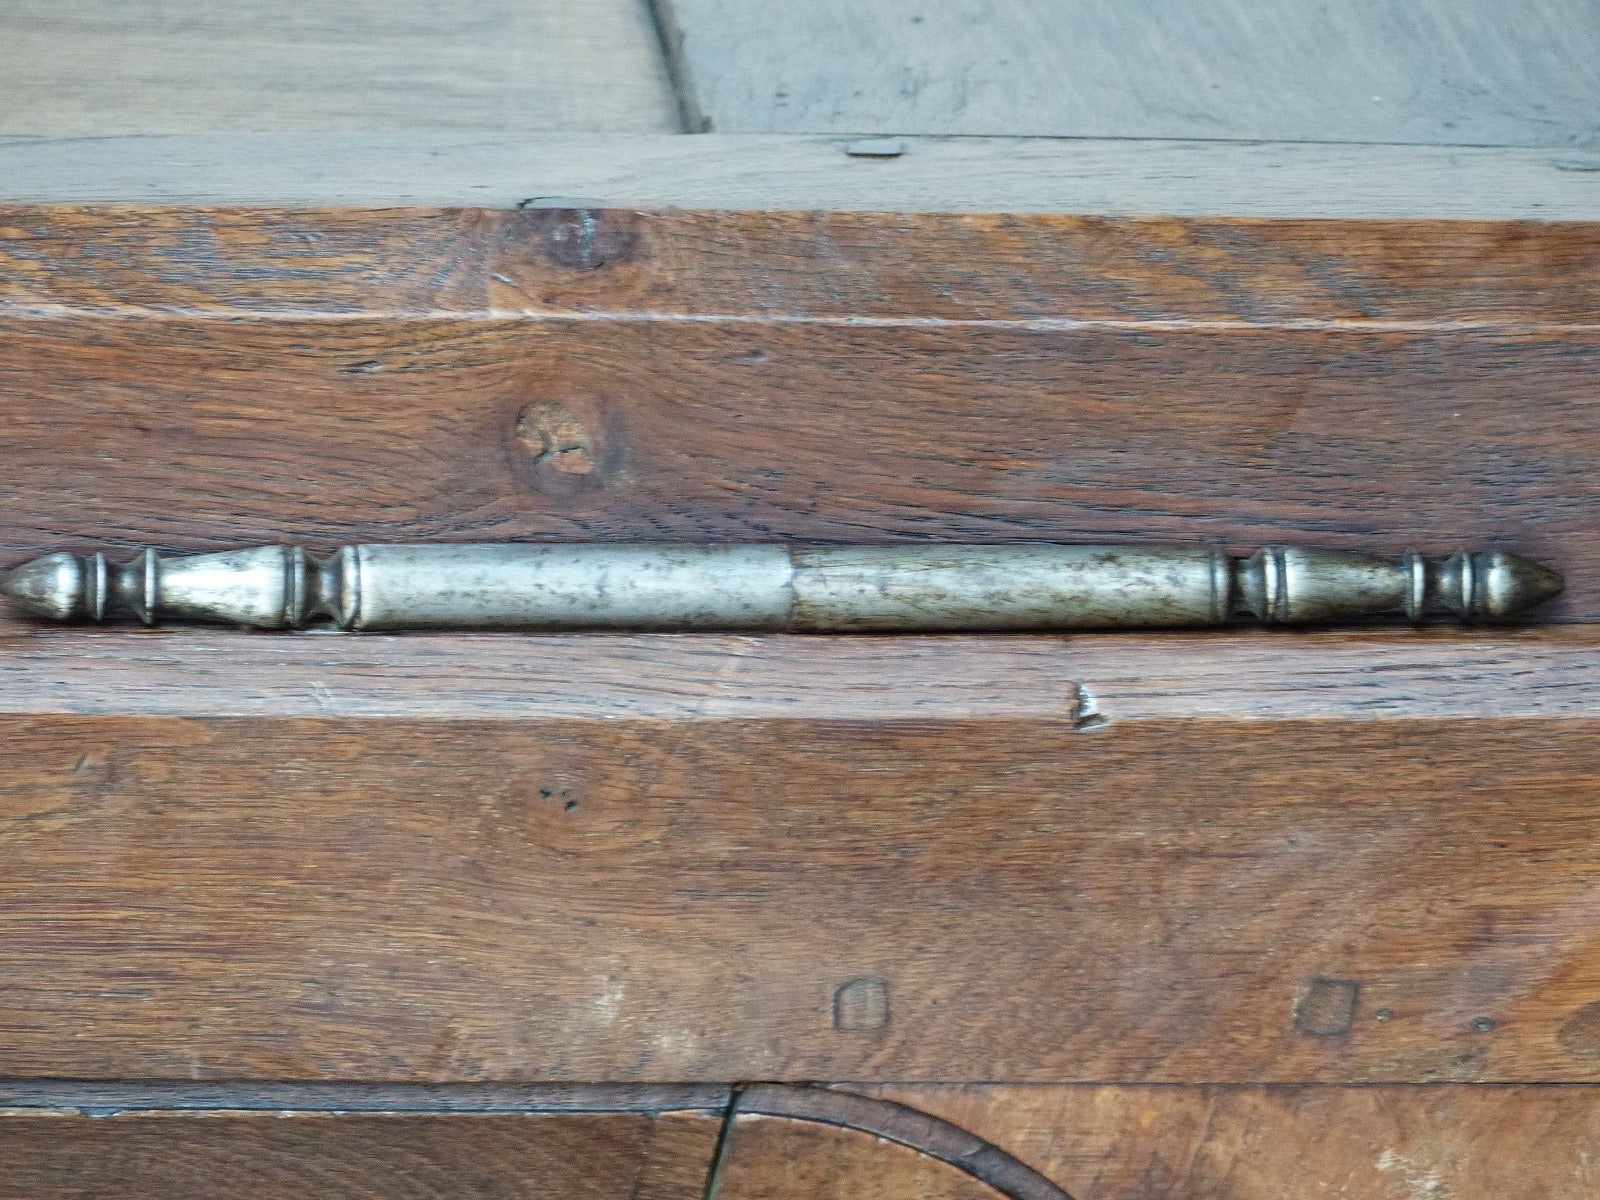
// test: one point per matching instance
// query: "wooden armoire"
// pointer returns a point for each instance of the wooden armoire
(1233, 915)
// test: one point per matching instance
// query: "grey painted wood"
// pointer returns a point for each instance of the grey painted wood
(484, 67)
(776, 172)
(1460, 72)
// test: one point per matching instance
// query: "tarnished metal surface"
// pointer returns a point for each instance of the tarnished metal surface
(603, 585)
(668, 586)
(1007, 587)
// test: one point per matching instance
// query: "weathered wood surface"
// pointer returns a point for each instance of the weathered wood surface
(1453, 72)
(685, 886)
(1067, 272)
(1440, 674)
(887, 1121)
(472, 68)
(774, 1158)
(674, 1141)
(1099, 1142)
(111, 1097)
(819, 172)
(325, 377)
(1370, 1143)
(268, 1156)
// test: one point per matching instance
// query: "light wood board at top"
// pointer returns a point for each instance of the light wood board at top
(471, 67)
(821, 172)
(1447, 72)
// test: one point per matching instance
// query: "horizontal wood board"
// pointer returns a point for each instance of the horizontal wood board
(331, 377)
(1462, 72)
(699, 890)
(808, 171)
(1097, 1142)
(89, 69)
(774, 1158)
(268, 1156)
(869, 871)
(1375, 675)
(1369, 1143)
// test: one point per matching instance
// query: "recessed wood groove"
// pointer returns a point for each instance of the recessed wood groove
(106, 1097)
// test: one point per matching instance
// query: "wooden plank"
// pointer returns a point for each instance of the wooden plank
(1326, 891)
(104, 1098)
(393, 430)
(483, 67)
(894, 1123)
(1368, 386)
(502, 170)
(774, 1158)
(1519, 73)
(1545, 674)
(1059, 273)
(267, 1156)
(1371, 1143)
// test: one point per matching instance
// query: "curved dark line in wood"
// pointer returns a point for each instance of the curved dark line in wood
(900, 1123)
(910, 1127)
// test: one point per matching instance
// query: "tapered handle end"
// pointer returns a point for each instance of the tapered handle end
(1288, 585)
(269, 587)
(58, 587)
(1508, 585)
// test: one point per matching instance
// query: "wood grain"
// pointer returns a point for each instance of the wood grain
(681, 890)
(895, 1123)
(474, 68)
(806, 377)
(1370, 1143)
(1101, 1141)
(773, 1158)
(265, 1156)
(1378, 675)
(1469, 73)
(1152, 274)
(799, 171)
(111, 1097)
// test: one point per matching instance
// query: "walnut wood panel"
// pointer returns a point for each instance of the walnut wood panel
(768, 265)
(845, 378)
(194, 434)
(1398, 674)
(775, 1158)
(1369, 1143)
(895, 1123)
(684, 1135)
(265, 1156)
(685, 886)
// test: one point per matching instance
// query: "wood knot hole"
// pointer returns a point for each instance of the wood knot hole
(585, 239)
(556, 438)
